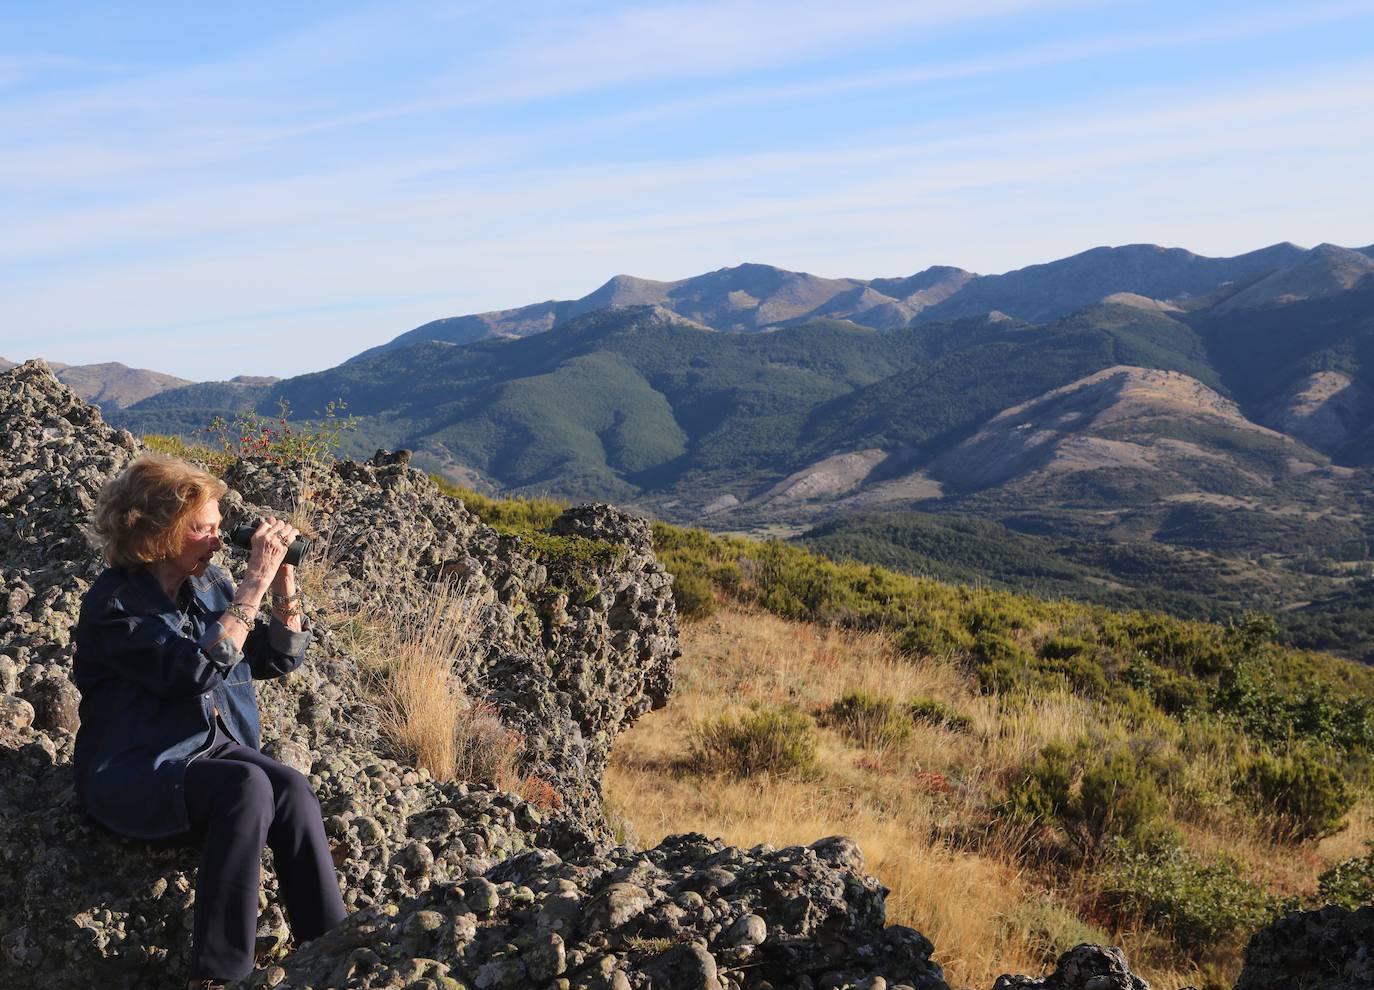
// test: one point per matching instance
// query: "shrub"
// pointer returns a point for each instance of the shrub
(1044, 793)
(1350, 883)
(1199, 904)
(1307, 798)
(933, 637)
(873, 721)
(1093, 796)
(938, 714)
(215, 461)
(254, 435)
(1049, 930)
(1121, 798)
(765, 740)
(1063, 648)
(693, 595)
(1002, 662)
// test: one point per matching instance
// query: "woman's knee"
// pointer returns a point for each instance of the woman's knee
(243, 793)
(295, 796)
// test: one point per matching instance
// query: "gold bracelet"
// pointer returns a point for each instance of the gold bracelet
(240, 611)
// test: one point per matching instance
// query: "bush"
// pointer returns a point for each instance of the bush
(1307, 798)
(1049, 930)
(1199, 904)
(1350, 883)
(873, 721)
(765, 740)
(1044, 793)
(693, 595)
(1119, 797)
(1002, 662)
(938, 714)
(1093, 796)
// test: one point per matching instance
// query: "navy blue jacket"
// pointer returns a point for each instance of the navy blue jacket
(153, 674)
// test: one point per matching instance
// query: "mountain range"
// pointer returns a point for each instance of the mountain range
(1221, 407)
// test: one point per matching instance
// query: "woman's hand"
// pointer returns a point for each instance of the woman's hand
(270, 542)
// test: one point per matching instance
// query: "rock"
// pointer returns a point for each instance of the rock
(16, 714)
(1084, 967)
(1329, 949)
(614, 906)
(56, 704)
(748, 930)
(685, 967)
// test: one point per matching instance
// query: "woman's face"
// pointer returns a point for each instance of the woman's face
(202, 540)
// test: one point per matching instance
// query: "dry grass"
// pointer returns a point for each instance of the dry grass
(918, 810)
(408, 651)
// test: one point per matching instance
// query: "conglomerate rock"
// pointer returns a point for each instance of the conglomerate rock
(1329, 949)
(575, 636)
(1084, 967)
(689, 914)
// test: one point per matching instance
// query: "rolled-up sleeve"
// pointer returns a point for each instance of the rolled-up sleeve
(221, 650)
(274, 649)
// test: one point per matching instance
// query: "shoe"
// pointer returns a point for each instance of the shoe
(207, 985)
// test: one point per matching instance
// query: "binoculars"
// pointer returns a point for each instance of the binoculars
(242, 536)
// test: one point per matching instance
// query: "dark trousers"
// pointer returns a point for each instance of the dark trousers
(239, 801)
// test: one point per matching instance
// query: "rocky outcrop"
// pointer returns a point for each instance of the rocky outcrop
(574, 635)
(1084, 967)
(1330, 949)
(689, 914)
(446, 881)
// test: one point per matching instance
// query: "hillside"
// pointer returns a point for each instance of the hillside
(922, 716)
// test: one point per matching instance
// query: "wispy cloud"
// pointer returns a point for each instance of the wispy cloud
(372, 172)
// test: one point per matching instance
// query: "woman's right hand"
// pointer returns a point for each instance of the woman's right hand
(270, 542)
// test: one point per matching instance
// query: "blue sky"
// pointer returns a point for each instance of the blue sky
(268, 188)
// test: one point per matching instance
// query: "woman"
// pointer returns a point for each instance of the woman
(166, 653)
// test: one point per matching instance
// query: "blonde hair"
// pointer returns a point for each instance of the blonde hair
(144, 512)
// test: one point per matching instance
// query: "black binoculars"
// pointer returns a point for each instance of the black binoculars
(242, 536)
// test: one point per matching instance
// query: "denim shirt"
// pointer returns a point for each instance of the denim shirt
(153, 675)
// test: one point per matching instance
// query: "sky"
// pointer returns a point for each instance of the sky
(210, 190)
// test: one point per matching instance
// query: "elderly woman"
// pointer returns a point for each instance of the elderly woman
(166, 653)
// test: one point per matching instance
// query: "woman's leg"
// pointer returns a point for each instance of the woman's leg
(230, 803)
(300, 850)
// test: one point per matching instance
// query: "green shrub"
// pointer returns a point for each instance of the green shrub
(1093, 796)
(694, 595)
(1200, 904)
(931, 637)
(1043, 794)
(777, 741)
(1120, 798)
(215, 461)
(873, 721)
(1063, 648)
(1307, 798)
(519, 516)
(1350, 883)
(1003, 664)
(937, 713)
